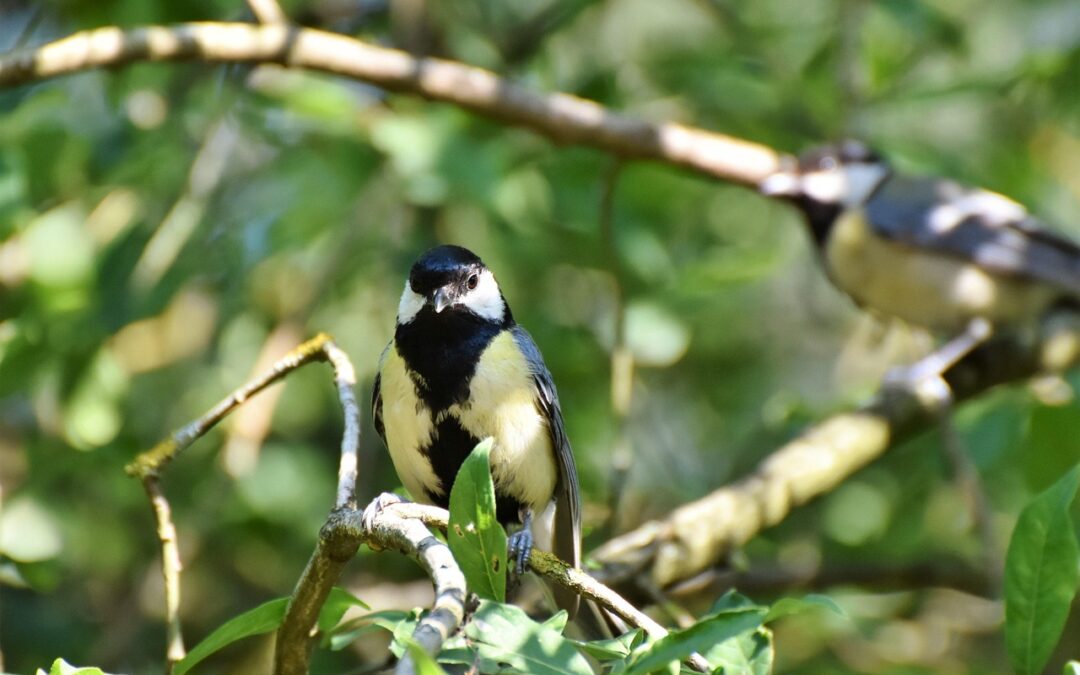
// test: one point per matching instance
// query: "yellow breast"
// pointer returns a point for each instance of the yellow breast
(501, 404)
(924, 288)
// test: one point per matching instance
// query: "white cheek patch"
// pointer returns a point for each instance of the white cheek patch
(849, 186)
(827, 187)
(410, 305)
(485, 300)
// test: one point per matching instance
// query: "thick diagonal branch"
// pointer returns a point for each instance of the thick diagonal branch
(561, 117)
(699, 535)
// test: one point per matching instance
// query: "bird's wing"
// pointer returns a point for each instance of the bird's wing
(376, 398)
(990, 230)
(567, 530)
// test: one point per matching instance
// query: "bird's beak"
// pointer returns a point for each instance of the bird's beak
(442, 299)
(779, 184)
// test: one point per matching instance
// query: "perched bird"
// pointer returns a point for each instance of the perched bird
(955, 259)
(458, 370)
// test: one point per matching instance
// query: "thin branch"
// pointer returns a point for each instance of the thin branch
(699, 535)
(267, 11)
(170, 569)
(389, 528)
(345, 379)
(151, 462)
(147, 467)
(553, 569)
(561, 117)
(413, 538)
(338, 541)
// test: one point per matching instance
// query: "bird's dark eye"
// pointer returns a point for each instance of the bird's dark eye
(474, 279)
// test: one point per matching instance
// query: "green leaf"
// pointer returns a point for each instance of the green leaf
(748, 654)
(613, 648)
(62, 667)
(732, 599)
(557, 621)
(344, 634)
(1041, 575)
(337, 603)
(788, 606)
(263, 619)
(677, 645)
(476, 538)
(425, 665)
(504, 634)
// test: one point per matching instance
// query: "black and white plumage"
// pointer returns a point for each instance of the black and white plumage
(930, 251)
(459, 369)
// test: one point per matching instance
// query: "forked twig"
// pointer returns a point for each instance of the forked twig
(147, 466)
(552, 568)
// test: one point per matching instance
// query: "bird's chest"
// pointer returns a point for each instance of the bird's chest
(922, 287)
(434, 416)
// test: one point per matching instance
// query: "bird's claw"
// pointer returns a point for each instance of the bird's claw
(926, 384)
(519, 546)
(376, 506)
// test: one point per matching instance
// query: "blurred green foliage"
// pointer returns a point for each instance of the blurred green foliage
(164, 228)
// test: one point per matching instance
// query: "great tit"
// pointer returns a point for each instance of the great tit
(458, 370)
(935, 253)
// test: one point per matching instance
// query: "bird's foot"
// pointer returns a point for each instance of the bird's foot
(926, 379)
(520, 544)
(376, 506)
(927, 385)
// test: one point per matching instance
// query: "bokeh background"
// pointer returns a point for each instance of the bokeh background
(167, 230)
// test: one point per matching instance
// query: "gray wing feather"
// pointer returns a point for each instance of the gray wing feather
(976, 225)
(567, 535)
(376, 397)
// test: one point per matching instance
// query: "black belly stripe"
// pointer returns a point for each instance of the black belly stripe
(443, 350)
(449, 448)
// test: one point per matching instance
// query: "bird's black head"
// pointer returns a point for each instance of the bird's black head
(836, 155)
(453, 280)
(826, 180)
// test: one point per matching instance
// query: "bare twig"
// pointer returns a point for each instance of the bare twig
(552, 568)
(170, 569)
(389, 528)
(267, 11)
(345, 379)
(560, 117)
(412, 537)
(700, 534)
(148, 465)
(338, 539)
(151, 462)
